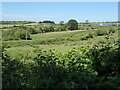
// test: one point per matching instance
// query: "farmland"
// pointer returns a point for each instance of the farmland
(47, 55)
(64, 40)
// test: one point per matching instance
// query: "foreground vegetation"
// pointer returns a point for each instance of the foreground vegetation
(85, 67)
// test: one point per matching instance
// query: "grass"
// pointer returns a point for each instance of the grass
(61, 41)
(20, 52)
(50, 38)
(65, 37)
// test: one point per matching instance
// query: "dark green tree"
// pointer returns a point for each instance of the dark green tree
(72, 24)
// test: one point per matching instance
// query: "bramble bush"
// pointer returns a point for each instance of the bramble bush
(88, 67)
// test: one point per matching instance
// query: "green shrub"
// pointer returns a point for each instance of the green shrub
(80, 68)
(22, 34)
(48, 29)
(112, 30)
(90, 35)
(101, 32)
(32, 30)
(104, 56)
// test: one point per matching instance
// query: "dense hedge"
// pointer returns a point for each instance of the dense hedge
(92, 67)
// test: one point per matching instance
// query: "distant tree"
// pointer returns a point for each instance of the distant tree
(48, 21)
(72, 24)
(87, 21)
(40, 22)
(61, 22)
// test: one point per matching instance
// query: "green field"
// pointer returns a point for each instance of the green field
(40, 56)
(61, 41)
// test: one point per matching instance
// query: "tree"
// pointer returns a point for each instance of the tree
(48, 21)
(72, 24)
(40, 22)
(61, 22)
(87, 21)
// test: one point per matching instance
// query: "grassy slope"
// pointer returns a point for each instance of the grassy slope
(63, 41)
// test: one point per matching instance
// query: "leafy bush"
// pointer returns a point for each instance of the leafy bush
(47, 70)
(8, 35)
(104, 56)
(112, 30)
(80, 68)
(90, 35)
(48, 29)
(22, 34)
(61, 28)
(101, 32)
(32, 30)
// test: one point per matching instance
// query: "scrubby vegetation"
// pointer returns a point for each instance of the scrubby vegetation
(16, 34)
(80, 68)
(47, 56)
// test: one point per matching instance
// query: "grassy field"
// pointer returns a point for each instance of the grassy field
(61, 41)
